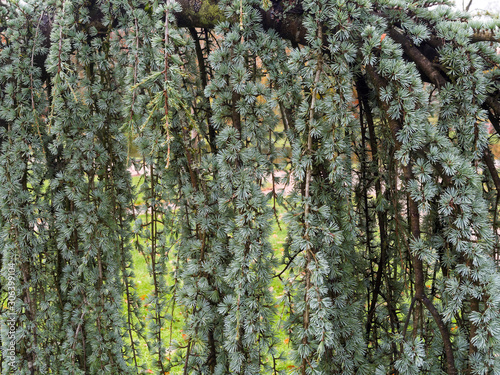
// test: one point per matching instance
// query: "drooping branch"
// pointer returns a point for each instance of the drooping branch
(363, 94)
(414, 220)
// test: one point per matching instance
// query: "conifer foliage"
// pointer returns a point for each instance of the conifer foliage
(374, 114)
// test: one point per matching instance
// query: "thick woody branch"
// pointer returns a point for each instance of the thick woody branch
(488, 159)
(423, 63)
(202, 14)
(431, 74)
(207, 14)
(485, 36)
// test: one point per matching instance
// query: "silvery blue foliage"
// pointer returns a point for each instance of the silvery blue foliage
(377, 114)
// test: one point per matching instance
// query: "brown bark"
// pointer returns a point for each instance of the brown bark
(365, 112)
(488, 159)
(423, 63)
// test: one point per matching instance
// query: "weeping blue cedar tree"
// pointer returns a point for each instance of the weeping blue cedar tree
(375, 111)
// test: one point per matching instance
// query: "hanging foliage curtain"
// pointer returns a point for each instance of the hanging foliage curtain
(374, 115)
